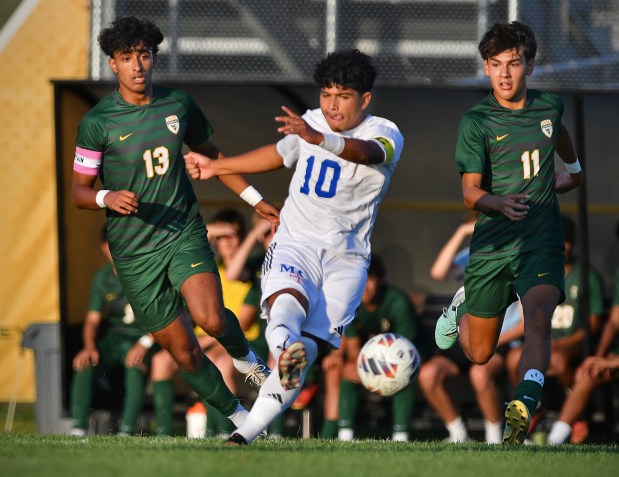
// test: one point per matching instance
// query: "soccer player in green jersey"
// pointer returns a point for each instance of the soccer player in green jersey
(132, 140)
(505, 154)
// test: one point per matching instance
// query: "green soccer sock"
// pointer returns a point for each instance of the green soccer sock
(135, 383)
(211, 420)
(81, 396)
(208, 382)
(329, 429)
(530, 393)
(402, 406)
(349, 403)
(216, 423)
(163, 404)
(234, 340)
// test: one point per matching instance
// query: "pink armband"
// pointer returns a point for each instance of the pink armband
(87, 161)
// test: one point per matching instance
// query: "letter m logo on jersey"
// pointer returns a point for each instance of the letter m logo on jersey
(297, 274)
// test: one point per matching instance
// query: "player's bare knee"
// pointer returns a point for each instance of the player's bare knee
(480, 356)
(427, 376)
(213, 325)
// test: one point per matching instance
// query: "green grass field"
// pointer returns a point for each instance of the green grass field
(25, 455)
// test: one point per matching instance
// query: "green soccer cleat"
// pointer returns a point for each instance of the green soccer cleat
(517, 421)
(446, 331)
(291, 364)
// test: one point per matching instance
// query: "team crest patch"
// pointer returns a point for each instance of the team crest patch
(546, 126)
(173, 124)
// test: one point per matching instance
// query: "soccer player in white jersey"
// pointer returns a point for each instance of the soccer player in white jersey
(315, 270)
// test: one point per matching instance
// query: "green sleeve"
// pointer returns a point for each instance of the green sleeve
(253, 296)
(91, 134)
(470, 145)
(199, 129)
(352, 331)
(97, 291)
(403, 316)
(596, 293)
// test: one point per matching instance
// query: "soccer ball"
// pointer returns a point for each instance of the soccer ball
(388, 363)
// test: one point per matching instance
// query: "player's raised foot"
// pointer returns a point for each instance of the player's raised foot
(235, 440)
(291, 364)
(517, 421)
(446, 331)
(256, 373)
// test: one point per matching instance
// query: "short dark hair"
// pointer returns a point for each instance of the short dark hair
(508, 36)
(349, 68)
(233, 217)
(127, 33)
(377, 267)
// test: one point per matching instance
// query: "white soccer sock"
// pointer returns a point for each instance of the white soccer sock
(399, 436)
(284, 328)
(239, 416)
(494, 432)
(559, 433)
(243, 365)
(457, 430)
(345, 434)
(273, 399)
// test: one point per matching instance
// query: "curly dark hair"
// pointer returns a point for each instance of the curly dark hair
(127, 33)
(349, 68)
(507, 36)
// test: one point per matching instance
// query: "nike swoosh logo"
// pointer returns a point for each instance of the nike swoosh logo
(194, 265)
(122, 138)
(543, 274)
(500, 138)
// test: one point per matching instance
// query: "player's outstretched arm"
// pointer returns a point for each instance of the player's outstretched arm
(206, 161)
(354, 150)
(572, 178)
(263, 159)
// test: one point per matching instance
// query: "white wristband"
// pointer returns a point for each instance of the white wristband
(99, 198)
(147, 341)
(251, 196)
(573, 168)
(333, 143)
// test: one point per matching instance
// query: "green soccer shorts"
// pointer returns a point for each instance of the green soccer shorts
(493, 284)
(152, 281)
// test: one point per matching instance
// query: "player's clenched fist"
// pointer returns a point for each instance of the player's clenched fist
(198, 166)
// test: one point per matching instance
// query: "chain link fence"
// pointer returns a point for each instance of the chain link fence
(413, 42)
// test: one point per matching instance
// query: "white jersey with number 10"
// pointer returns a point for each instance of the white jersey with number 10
(332, 203)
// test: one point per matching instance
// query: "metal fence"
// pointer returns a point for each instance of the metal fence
(413, 42)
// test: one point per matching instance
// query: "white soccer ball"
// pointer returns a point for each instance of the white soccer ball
(388, 363)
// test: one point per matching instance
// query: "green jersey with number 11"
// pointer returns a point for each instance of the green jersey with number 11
(514, 152)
